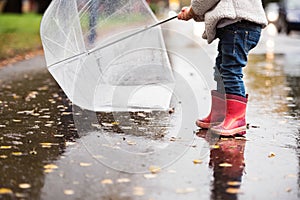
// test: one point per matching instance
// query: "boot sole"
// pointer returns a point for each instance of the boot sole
(230, 132)
(204, 125)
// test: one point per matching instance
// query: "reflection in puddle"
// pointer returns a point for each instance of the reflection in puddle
(227, 163)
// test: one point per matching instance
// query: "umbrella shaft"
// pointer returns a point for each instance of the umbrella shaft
(133, 34)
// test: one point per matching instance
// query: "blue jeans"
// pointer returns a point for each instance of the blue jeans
(236, 40)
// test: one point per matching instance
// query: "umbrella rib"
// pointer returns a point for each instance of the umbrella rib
(113, 42)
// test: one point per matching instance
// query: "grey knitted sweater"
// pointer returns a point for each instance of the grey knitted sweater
(212, 11)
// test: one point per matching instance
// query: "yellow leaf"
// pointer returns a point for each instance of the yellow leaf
(5, 147)
(115, 123)
(48, 170)
(225, 165)
(197, 161)
(215, 146)
(154, 169)
(5, 191)
(66, 113)
(233, 190)
(17, 153)
(271, 155)
(233, 183)
(107, 182)
(50, 166)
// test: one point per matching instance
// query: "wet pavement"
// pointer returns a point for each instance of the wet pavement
(52, 150)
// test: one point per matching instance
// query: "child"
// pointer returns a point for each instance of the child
(237, 24)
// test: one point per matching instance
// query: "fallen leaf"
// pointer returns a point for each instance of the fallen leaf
(123, 180)
(131, 142)
(215, 146)
(107, 182)
(66, 113)
(47, 144)
(50, 166)
(141, 115)
(17, 153)
(69, 143)
(21, 195)
(68, 192)
(24, 185)
(271, 155)
(48, 170)
(85, 164)
(233, 183)
(5, 147)
(58, 135)
(154, 169)
(225, 165)
(43, 88)
(106, 124)
(197, 161)
(3, 156)
(5, 191)
(26, 112)
(233, 190)
(115, 123)
(31, 95)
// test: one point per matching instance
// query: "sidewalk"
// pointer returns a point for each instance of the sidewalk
(185, 164)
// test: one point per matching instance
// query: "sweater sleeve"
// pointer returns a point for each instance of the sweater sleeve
(200, 7)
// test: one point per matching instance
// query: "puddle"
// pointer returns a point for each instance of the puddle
(35, 126)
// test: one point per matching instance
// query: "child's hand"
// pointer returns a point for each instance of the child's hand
(186, 13)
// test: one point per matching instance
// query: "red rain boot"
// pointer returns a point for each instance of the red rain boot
(217, 112)
(234, 121)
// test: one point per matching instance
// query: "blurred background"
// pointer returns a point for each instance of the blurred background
(37, 127)
(20, 20)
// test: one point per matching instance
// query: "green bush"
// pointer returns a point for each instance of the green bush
(19, 34)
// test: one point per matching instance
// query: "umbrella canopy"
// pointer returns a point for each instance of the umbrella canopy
(97, 70)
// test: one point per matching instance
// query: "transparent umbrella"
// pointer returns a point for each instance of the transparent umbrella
(100, 68)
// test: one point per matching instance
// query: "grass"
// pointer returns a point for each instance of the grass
(19, 34)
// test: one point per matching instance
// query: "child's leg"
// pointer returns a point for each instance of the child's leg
(236, 41)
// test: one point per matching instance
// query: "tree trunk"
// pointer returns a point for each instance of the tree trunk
(13, 6)
(43, 5)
